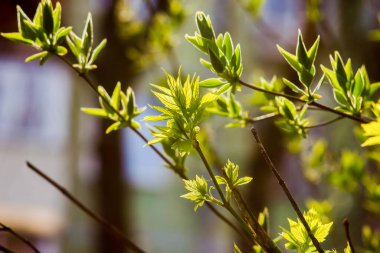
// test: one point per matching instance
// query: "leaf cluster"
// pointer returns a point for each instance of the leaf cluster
(184, 109)
(225, 59)
(350, 91)
(199, 192)
(231, 178)
(44, 32)
(303, 63)
(83, 47)
(120, 108)
(297, 237)
(293, 120)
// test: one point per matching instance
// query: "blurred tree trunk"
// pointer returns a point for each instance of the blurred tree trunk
(112, 189)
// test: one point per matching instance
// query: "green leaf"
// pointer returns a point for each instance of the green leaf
(95, 112)
(215, 61)
(37, 56)
(57, 16)
(243, 181)
(291, 59)
(204, 25)
(228, 46)
(87, 37)
(340, 98)
(25, 30)
(61, 51)
(17, 37)
(301, 52)
(372, 130)
(47, 17)
(212, 83)
(97, 50)
(114, 127)
(312, 53)
(293, 87)
(131, 101)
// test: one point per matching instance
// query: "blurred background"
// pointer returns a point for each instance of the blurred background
(40, 121)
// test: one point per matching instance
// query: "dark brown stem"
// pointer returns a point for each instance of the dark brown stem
(108, 226)
(286, 190)
(18, 236)
(346, 224)
(5, 250)
(314, 103)
(325, 123)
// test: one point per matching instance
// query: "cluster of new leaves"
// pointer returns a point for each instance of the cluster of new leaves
(351, 91)
(231, 178)
(297, 237)
(225, 59)
(267, 101)
(293, 120)
(228, 106)
(120, 108)
(184, 109)
(372, 129)
(44, 32)
(199, 192)
(83, 47)
(303, 63)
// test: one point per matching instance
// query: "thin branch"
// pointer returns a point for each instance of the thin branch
(18, 236)
(286, 190)
(160, 154)
(314, 103)
(258, 233)
(5, 250)
(325, 123)
(346, 224)
(107, 225)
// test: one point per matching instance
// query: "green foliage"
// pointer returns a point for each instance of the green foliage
(83, 47)
(199, 192)
(254, 7)
(225, 59)
(44, 32)
(371, 240)
(372, 131)
(303, 63)
(293, 121)
(297, 237)
(315, 162)
(231, 178)
(227, 106)
(184, 109)
(120, 108)
(350, 172)
(351, 91)
(267, 101)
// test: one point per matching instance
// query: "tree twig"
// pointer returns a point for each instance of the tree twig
(18, 236)
(5, 250)
(325, 123)
(346, 224)
(107, 225)
(286, 190)
(314, 103)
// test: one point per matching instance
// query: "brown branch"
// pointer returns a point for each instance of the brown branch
(5, 250)
(18, 236)
(107, 225)
(325, 123)
(286, 190)
(346, 224)
(314, 103)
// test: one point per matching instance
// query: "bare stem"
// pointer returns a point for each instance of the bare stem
(314, 103)
(5, 250)
(286, 190)
(107, 225)
(325, 123)
(18, 236)
(346, 224)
